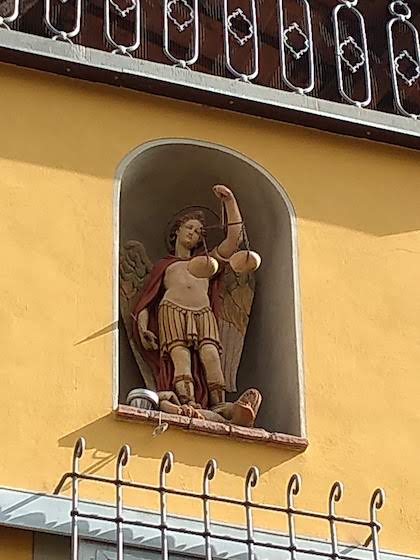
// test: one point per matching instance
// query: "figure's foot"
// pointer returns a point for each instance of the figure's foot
(245, 409)
(243, 414)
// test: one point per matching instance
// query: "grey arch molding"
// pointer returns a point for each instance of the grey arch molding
(158, 178)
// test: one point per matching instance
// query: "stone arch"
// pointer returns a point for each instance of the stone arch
(160, 177)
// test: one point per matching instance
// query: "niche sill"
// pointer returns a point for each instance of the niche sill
(130, 413)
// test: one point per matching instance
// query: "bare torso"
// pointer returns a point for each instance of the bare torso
(184, 289)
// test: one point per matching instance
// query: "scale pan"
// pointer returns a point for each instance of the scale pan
(245, 261)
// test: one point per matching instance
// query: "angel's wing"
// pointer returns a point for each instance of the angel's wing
(134, 267)
(237, 297)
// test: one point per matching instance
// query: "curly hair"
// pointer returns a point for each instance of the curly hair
(196, 215)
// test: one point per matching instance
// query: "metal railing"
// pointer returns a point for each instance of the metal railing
(359, 52)
(206, 498)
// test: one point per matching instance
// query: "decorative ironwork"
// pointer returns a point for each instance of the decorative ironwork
(60, 34)
(336, 493)
(191, 18)
(209, 474)
(416, 74)
(123, 13)
(251, 481)
(78, 451)
(5, 20)
(293, 489)
(362, 59)
(232, 25)
(122, 460)
(186, 45)
(307, 48)
(165, 468)
(402, 14)
(180, 25)
(118, 48)
(294, 547)
(361, 52)
(232, 21)
(296, 27)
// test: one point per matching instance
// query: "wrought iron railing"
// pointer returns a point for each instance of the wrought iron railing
(286, 45)
(292, 545)
(360, 52)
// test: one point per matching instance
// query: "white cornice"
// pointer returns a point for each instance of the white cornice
(100, 66)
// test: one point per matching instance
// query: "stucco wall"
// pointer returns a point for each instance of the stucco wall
(358, 217)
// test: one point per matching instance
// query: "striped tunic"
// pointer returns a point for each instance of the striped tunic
(179, 326)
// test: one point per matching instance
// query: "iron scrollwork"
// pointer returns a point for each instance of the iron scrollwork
(401, 13)
(362, 58)
(232, 22)
(6, 20)
(134, 5)
(181, 24)
(61, 34)
(297, 52)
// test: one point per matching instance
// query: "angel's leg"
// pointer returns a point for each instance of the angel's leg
(183, 381)
(210, 358)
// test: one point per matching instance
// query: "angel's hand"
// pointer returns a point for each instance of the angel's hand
(148, 340)
(223, 192)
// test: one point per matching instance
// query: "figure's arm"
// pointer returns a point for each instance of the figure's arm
(148, 339)
(229, 245)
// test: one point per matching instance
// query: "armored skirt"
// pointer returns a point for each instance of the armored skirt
(186, 327)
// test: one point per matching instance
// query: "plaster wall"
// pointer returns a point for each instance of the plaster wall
(357, 205)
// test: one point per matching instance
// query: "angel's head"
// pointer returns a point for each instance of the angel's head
(188, 231)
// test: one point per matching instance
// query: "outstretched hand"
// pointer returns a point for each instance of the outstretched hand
(223, 192)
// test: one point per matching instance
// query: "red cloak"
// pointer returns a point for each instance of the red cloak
(161, 366)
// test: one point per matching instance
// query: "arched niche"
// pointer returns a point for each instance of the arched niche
(156, 180)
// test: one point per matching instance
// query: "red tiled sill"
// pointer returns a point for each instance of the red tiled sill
(124, 412)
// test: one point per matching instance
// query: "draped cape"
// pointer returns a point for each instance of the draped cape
(161, 365)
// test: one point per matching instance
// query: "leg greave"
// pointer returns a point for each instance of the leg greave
(184, 388)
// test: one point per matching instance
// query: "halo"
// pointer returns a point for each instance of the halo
(211, 218)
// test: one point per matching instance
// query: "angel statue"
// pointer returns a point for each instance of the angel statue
(186, 316)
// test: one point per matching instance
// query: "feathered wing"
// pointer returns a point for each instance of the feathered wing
(237, 297)
(135, 265)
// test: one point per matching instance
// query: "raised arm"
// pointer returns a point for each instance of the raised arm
(234, 222)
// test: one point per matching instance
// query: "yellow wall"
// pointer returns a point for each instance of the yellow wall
(15, 544)
(358, 209)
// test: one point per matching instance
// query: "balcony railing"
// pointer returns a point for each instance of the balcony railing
(361, 53)
(246, 540)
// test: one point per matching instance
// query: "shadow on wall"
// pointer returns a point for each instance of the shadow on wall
(181, 173)
(106, 435)
(355, 184)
